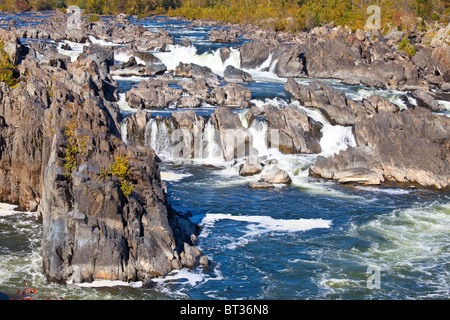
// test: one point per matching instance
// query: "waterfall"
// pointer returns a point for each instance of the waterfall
(212, 60)
(157, 137)
(213, 152)
(334, 138)
(124, 130)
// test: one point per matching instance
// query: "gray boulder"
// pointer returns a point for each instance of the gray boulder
(235, 75)
(275, 175)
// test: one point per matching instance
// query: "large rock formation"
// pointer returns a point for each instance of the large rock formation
(392, 145)
(104, 210)
(290, 130)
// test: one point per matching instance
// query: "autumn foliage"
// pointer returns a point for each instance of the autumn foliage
(289, 15)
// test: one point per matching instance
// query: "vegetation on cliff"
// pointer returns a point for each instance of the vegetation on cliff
(6, 67)
(281, 15)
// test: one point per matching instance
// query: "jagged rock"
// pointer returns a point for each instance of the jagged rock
(231, 94)
(136, 124)
(192, 70)
(223, 36)
(250, 167)
(321, 95)
(291, 63)
(152, 94)
(425, 100)
(275, 175)
(91, 228)
(407, 146)
(143, 64)
(189, 135)
(253, 54)
(235, 75)
(260, 185)
(234, 139)
(289, 130)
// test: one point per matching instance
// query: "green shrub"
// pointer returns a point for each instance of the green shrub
(93, 18)
(75, 148)
(120, 168)
(7, 68)
(407, 47)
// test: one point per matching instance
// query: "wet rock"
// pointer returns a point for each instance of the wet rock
(189, 135)
(407, 146)
(254, 54)
(289, 130)
(425, 100)
(321, 95)
(250, 167)
(234, 139)
(141, 64)
(275, 175)
(152, 94)
(235, 75)
(260, 185)
(186, 42)
(192, 70)
(291, 63)
(231, 95)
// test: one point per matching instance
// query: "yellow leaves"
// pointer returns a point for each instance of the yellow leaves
(77, 146)
(6, 67)
(120, 168)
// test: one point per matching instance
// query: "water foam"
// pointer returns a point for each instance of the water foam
(178, 53)
(407, 245)
(260, 225)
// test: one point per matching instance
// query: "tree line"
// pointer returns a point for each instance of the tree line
(281, 15)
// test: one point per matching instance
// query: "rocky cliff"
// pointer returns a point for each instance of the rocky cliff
(104, 208)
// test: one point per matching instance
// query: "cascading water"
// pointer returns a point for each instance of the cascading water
(313, 239)
(212, 60)
(157, 137)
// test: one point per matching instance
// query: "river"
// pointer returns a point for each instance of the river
(312, 239)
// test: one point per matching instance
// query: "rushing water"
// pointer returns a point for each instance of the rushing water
(313, 239)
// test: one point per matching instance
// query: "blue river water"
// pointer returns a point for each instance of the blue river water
(313, 239)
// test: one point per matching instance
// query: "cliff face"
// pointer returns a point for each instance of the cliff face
(58, 135)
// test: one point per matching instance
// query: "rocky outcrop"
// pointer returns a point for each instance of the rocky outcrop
(288, 61)
(192, 70)
(142, 64)
(224, 35)
(232, 95)
(189, 134)
(60, 27)
(235, 75)
(321, 95)
(411, 146)
(234, 139)
(290, 130)
(152, 94)
(155, 93)
(58, 134)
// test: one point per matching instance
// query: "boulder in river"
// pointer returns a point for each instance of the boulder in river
(235, 75)
(275, 175)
